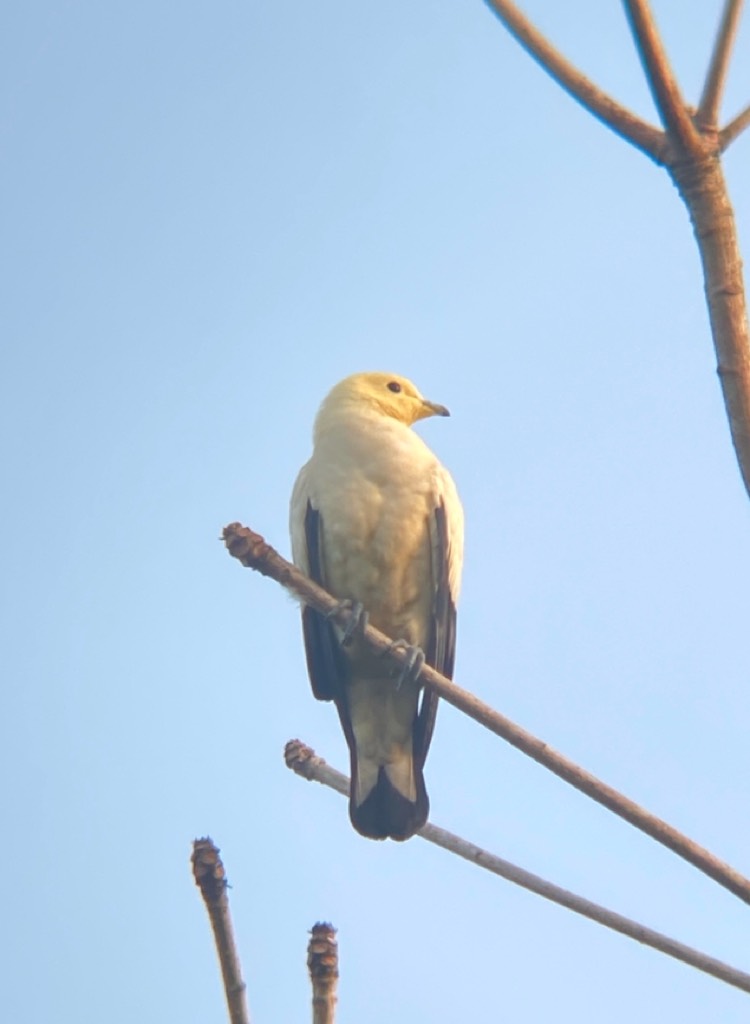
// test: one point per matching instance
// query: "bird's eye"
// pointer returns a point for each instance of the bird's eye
(394, 386)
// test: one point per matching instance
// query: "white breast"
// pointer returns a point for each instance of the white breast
(376, 485)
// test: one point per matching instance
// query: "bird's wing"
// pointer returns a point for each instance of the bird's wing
(326, 664)
(446, 551)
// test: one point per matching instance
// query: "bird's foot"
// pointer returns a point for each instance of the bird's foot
(357, 619)
(415, 660)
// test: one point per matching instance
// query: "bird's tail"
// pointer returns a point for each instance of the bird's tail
(381, 722)
(388, 800)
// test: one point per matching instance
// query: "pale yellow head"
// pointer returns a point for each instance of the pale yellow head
(386, 393)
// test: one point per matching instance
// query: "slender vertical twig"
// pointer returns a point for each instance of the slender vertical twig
(661, 80)
(252, 551)
(323, 965)
(304, 761)
(707, 115)
(210, 878)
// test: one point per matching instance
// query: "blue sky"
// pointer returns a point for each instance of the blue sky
(211, 214)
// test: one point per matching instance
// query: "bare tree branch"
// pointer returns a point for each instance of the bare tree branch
(692, 159)
(735, 127)
(624, 122)
(254, 553)
(302, 760)
(707, 115)
(323, 965)
(662, 83)
(210, 878)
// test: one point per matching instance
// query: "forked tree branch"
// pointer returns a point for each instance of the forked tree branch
(690, 150)
(707, 115)
(254, 553)
(624, 122)
(302, 760)
(210, 878)
(661, 80)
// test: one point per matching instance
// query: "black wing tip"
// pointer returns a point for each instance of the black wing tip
(386, 814)
(325, 664)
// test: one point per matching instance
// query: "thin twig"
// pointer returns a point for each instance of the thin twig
(303, 760)
(323, 965)
(210, 878)
(254, 553)
(735, 127)
(624, 122)
(708, 109)
(660, 77)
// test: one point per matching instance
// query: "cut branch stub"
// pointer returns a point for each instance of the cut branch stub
(323, 965)
(208, 870)
(210, 877)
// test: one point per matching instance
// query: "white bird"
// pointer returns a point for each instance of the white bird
(376, 520)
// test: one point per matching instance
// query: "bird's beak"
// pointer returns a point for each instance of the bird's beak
(433, 409)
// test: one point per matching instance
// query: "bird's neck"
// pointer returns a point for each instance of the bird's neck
(356, 424)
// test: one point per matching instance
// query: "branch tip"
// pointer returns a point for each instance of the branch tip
(208, 870)
(298, 757)
(323, 965)
(245, 545)
(322, 952)
(210, 877)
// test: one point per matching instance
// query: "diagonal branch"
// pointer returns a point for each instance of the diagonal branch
(254, 553)
(661, 81)
(302, 760)
(624, 122)
(210, 878)
(735, 127)
(708, 109)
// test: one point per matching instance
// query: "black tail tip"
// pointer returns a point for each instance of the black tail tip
(386, 814)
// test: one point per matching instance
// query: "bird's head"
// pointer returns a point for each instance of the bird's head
(386, 393)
